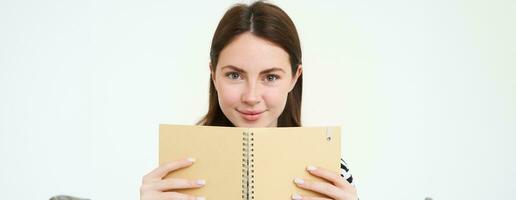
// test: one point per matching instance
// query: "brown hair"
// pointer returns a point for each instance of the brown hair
(271, 23)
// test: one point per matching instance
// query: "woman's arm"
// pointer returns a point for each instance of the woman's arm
(154, 187)
(340, 186)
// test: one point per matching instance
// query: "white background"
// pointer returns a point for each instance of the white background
(425, 92)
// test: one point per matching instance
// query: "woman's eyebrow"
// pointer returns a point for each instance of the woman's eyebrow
(233, 68)
(272, 70)
(244, 72)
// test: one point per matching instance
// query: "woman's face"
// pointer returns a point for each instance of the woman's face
(253, 78)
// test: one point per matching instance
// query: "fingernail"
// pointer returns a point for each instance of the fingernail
(299, 181)
(191, 159)
(200, 182)
(296, 196)
(311, 168)
(200, 198)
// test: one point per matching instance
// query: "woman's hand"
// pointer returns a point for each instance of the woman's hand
(337, 189)
(155, 188)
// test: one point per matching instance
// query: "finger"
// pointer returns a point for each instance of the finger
(299, 197)
(331, 176)
(320, 187)
(315, 198)
(166, 168)
(179, 196)
(178, 183)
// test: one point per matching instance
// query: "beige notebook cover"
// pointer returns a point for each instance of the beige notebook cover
(249, 163)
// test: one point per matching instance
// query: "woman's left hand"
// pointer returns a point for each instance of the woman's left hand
(337, 189)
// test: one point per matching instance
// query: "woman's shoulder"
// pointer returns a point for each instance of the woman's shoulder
(345, 172)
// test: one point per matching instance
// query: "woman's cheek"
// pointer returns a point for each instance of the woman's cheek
(229, 95)
(275, 98)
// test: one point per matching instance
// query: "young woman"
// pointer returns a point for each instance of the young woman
(256, 81)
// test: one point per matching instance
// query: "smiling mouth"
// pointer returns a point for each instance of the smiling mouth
(251, 115)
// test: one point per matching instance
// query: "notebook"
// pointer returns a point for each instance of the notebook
(249, 163)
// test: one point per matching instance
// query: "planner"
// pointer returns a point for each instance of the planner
(249, 163)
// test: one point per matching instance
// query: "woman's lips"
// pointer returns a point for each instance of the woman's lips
(251, 115)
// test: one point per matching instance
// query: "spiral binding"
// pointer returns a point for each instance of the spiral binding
(247, 166)
(245, 142)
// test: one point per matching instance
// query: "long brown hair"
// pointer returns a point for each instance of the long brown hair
(271, 23)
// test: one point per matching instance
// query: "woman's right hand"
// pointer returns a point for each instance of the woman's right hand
(154, 187)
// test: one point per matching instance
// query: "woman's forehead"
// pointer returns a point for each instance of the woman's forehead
(251, 53)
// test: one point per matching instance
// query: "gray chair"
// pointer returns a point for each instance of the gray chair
(66, 197)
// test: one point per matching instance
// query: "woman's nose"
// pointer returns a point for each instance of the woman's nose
(251, 95)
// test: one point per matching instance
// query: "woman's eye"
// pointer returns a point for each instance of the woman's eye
(272, 77)
(232, 75)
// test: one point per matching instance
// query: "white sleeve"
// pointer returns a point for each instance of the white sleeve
(345, 173)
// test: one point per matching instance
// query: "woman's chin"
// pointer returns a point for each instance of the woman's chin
(250, 124)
